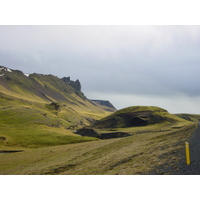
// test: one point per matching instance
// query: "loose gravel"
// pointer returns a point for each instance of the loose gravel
(194, 167)
(172, 167)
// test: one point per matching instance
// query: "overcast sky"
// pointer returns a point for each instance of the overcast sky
(127, 65)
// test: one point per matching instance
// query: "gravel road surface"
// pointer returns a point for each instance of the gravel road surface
(180, 168)
(194, 167)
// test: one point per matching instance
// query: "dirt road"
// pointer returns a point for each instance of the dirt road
(194, 167)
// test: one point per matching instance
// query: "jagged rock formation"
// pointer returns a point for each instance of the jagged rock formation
(75, 84)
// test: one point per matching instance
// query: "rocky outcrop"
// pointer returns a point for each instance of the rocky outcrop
(75, 84)
(103, 103)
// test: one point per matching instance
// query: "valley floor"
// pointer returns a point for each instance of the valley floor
(158, 152)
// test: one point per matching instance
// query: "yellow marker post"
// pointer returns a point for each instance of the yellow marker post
(187, 153)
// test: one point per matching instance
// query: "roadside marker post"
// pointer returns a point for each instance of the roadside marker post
(187, 153)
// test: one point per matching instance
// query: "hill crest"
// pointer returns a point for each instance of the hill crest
(105, 104)
(136, 116)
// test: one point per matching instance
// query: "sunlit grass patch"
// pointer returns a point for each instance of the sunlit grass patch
(24, 126)
(38, 136)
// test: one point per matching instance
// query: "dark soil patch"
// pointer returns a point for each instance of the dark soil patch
(91, 133)
(113, 135)
(60, 169)
(87, 132)
(2, 138)
(7, 151)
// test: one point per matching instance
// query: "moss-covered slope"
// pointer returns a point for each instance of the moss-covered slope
(136, 116)
(189, 117)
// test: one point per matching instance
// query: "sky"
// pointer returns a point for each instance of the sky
(128, 65)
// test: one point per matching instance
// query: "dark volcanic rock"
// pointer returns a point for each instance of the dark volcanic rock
(75, 84)
(87, 132)
(113, 135)
(91, 133)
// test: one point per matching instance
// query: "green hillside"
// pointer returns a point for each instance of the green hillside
(42, 110)
(136, 116)
(189, 117)
(131, 121)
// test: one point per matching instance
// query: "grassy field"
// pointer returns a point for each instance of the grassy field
(50, 147)
(137, 154)
(42, 110)
(34, 125)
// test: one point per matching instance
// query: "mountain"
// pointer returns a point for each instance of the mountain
(33, 106)
(45, 89)
(39, 87)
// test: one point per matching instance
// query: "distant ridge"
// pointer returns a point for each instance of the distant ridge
(105, 103)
